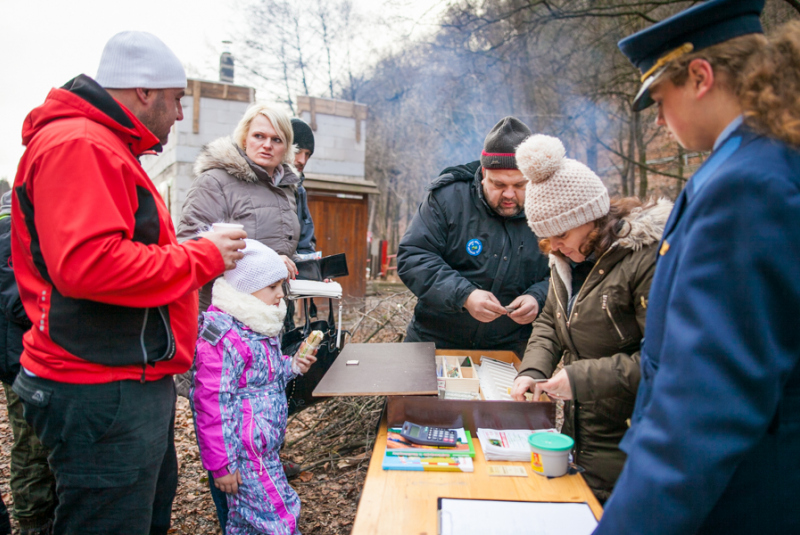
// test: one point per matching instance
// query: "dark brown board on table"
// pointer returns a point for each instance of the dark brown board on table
(470, 414)
(382, 370)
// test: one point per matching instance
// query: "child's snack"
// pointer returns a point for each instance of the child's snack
(312, 343)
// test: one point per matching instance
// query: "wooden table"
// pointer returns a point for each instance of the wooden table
(404, 503)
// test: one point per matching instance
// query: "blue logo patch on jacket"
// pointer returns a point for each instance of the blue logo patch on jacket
(474, 247)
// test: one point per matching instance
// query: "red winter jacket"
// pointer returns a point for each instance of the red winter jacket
(110, 292)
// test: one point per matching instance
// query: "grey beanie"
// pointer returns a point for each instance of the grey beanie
(139, 59)
(501, 143)
(260, 267)
(5, 203)
(562, 193)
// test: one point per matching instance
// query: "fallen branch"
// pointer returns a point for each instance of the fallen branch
(389, 319)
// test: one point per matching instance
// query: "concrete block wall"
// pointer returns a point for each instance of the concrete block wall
(218, 118)
(337, 154)
(336, 151)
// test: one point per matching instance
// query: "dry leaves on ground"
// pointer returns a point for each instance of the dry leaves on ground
(332, 441)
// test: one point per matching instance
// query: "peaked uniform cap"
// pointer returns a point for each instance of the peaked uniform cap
(701, 26)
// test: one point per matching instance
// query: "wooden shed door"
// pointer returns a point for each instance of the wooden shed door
(340, 226)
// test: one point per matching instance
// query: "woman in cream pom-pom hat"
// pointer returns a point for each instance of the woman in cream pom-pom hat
(602, 257)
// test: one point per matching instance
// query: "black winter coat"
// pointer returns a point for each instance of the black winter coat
(456, 244)
(13, 322)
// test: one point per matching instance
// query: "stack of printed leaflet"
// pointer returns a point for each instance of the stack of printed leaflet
(507, 444)
(402, 454)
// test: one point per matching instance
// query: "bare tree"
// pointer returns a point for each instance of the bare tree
(552, 63)
(301, 48)
(324, 15)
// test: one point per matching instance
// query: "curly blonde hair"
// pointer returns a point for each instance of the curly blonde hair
(763, 73)
(771, 89)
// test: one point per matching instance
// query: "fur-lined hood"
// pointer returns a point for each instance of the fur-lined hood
(223, 153)
(646, 227)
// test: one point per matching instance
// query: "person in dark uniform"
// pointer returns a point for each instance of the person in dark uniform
(304, 139)
(714, 444)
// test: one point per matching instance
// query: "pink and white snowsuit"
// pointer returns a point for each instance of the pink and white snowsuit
(240, 412)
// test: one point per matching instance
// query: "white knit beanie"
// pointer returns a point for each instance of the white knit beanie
(260, 267)
(139, 59)
(563, 194)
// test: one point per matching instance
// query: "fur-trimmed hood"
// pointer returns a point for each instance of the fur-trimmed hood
(223, 153)
(646, 226)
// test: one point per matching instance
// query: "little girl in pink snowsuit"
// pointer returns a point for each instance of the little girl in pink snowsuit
(238, 397)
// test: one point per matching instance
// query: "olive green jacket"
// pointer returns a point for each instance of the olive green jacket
(599, 343)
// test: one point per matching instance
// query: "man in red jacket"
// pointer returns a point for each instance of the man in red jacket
(111, 294)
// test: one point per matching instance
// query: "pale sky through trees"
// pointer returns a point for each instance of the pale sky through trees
(47, 42)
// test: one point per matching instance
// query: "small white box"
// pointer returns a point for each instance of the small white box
(456, 374)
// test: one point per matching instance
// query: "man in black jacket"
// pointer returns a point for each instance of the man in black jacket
(469, 255)
(33, 485)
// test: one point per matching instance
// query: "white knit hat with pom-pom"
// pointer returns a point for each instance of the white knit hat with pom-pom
(563, 194)
(260, 267)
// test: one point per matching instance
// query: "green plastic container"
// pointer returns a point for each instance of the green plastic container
(550, 453)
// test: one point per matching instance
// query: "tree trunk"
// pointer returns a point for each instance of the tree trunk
(642, 150)
(681, 170)
(323, 15)
(629, 171)
(301, 64)
(286, 78)
(591, 143)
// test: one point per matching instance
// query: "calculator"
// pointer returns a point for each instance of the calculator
(428, 436)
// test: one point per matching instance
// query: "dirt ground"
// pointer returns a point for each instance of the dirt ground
(332, 440)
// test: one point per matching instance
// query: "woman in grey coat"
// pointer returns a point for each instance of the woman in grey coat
(247, 179)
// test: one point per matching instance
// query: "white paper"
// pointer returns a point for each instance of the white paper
(507, 444)
(496, 377)
(494, 517)
(304, 288)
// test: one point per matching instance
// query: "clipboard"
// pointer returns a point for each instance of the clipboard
(461, 516)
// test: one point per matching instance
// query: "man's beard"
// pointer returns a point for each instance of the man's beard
(506, 212)
(154, 120)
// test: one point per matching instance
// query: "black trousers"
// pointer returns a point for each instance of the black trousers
(5, 520)
(112, 452)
